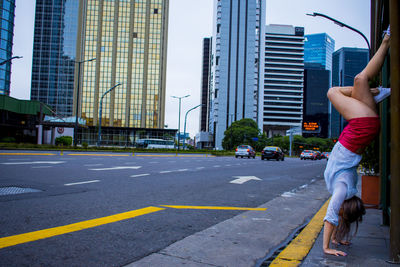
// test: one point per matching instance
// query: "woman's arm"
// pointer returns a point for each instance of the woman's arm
(328, 230)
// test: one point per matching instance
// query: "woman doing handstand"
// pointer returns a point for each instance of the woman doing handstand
(357, 105)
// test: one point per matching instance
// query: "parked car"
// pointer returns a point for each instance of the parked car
(327, 155)
(308, 154)
(245, 151)
(318, 155)
(272, 152)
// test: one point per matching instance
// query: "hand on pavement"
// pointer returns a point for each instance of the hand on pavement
(335, 252)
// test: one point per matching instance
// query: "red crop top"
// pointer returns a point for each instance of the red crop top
(359, 133)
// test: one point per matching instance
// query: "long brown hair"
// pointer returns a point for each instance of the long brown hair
(352, 211)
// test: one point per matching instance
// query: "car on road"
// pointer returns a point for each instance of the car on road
(326, 155)
(272, 152)
(245, 151)
(308, 154)
(318, 155)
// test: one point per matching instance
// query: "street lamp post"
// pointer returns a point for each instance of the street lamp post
(77, 98)
(341, 24)
(101, 110)
(179, 118)
(184, 127)
(9, 59)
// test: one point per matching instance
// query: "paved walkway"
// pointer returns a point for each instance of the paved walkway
(370, 247)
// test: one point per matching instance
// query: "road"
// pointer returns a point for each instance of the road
(103, 209)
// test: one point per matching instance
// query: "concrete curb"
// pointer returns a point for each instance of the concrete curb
(298, 249)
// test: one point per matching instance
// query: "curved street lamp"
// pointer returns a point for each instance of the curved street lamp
(101, 110)
(184, 127)
(179, 118)
(77, 98)
(341, 24)
(9, 59)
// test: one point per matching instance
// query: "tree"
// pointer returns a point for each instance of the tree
(241, 132)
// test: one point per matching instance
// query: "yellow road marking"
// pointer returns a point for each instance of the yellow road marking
(154, 155)
(25, 154)
(109, 155)
(210, 207)
(60, 230)
(298, 249)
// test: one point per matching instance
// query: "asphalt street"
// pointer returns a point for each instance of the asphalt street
(171, 197)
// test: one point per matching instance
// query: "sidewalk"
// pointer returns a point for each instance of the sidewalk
(370, 247)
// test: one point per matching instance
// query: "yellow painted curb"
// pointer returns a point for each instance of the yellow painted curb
(60, 230)
(26, 154)
(298, 249)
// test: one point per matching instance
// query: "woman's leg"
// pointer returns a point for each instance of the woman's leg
(361, 86)
(361, 102)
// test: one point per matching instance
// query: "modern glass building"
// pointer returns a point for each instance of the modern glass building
(128, 39)
(237, 51)
(7, 8)
(205, 85)
(282, 101)
(347, 63)
(54, 54)
(318, 48)
(316, 104)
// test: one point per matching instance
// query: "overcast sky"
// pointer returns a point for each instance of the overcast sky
(189, 22)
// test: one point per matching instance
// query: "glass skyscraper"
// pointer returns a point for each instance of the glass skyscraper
(54, 52)
(129, 41)
(237, 49)
(7, 8)
(347, 63)
(318, 48)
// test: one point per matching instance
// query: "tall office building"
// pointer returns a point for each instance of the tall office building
(128, 39)
(7, 8)
(318, 48)
(282, 106)
(316, 104)
(347, 63)
(54, 54)
(237, 63)
(205, 85)
(93, 45)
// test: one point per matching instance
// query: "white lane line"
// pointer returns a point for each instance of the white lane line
(92, 165)
(153, 162)
(117, 168)
(33, 162)
(139, 175)
(217, 166)
(182, 170)
(199, 168)
(243, 179)
(86, 182)
(165, 171)
(41, 167)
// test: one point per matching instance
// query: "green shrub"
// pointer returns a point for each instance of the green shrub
(64, 140)
(85, 145)
(8, 139)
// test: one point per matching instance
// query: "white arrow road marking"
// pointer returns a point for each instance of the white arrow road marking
(243, 179)
(86, 182)
(117, 168)
(139, 175)
(33, 162)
